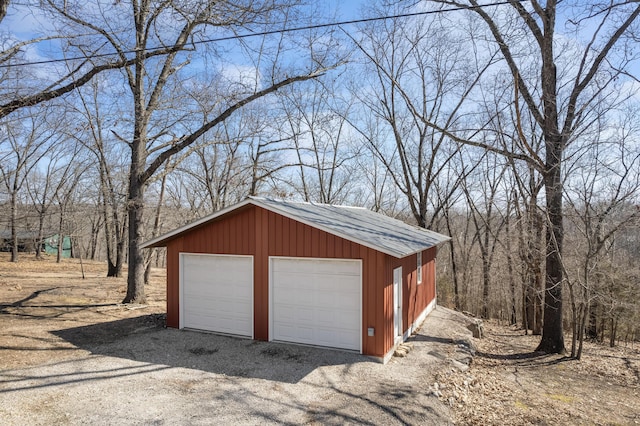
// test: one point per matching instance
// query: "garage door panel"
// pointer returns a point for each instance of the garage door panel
(217, 293)
(316, 301)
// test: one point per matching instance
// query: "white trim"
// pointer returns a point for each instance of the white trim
(181, 289)
(423, 315)
(413, 327)
(397, 300)
(419, 267)
(270, 310)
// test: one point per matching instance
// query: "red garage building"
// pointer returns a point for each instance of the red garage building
(317, 274)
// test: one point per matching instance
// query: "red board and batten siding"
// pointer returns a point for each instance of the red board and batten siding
(259, 232)
(416, 297)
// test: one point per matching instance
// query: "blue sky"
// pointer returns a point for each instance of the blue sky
(23, 23)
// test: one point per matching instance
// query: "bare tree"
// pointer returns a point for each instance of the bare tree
(421, 73)
(157, 134)
(22, 145)
(316, 121)
(482, 195)
(66, 198)
(96, 115)
(560, 96)
(602, 196)
(45, 186)
(19, 92)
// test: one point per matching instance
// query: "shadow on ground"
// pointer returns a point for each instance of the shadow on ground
(144, 339)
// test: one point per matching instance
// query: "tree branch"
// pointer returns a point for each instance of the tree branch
(187, 140)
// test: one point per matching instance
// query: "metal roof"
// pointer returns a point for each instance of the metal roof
(362, 226)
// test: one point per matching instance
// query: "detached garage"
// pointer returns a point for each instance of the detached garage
(314, 274)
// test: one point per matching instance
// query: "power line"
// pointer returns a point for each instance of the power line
(271, 32)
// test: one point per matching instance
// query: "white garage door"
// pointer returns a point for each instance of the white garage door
(316, 302)
(217, 293)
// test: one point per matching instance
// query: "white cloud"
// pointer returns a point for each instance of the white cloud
(241, 74)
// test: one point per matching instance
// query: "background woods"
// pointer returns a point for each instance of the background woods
(511, 127)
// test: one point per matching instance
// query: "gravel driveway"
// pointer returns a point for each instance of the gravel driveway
(152, 375)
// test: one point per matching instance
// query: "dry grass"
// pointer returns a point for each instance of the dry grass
(41, 296)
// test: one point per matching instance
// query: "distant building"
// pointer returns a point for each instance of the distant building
(27, 241)
(50, 245)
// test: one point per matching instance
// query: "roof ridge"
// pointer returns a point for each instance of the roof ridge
(309, 203)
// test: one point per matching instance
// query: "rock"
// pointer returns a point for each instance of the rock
(466, 346)
(465, 359)
(403, 349)
(436, 393)
(476, 328)
(459, 366)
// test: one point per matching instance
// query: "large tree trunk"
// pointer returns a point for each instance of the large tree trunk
(137, 184)
(135, 277)
(552, 333)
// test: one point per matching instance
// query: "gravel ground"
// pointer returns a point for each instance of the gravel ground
(151, 375)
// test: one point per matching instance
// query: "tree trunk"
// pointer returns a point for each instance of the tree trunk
(513, 314)
(60, 237)
(614, 331)
(533, 306)
(575, 315)
(93, 239)
(525, 311)
(552, 333)
(585, 314)
(485, 286)
(135, 278)
(454, 264)
(592, 329)
(156, 227)
(14, 232)
(40, 237)
(601, 328)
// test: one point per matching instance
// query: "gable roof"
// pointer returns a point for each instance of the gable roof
(357, 224)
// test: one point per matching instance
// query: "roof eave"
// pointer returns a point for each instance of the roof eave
(163, 239)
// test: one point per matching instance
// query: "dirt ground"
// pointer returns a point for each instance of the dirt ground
(71, 354)
(509, 383)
